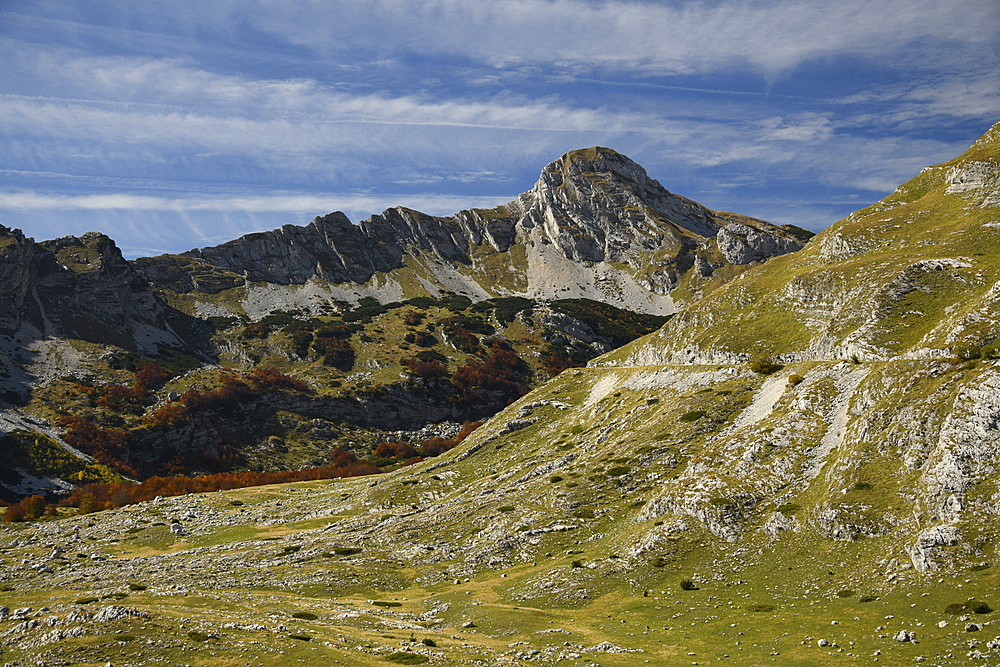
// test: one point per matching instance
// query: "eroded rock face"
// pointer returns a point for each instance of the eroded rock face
(741, 244)
(82, 287)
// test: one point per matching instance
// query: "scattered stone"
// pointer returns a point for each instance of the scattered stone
(973, 627)
(905, 636)
(177, 529)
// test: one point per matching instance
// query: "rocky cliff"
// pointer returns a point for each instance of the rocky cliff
(593, 226)
(82, 288)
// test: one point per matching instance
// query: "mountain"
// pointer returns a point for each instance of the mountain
(800, 468)
(594, 226)
(400, 328)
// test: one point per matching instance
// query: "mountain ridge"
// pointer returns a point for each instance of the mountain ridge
(592, 207)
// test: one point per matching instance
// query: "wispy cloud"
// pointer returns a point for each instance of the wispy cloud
(274, 203)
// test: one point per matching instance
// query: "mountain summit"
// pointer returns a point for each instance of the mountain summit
(593, 226)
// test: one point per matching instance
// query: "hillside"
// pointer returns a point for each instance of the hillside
(804, 486)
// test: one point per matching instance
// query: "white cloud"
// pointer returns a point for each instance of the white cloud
(273, 203)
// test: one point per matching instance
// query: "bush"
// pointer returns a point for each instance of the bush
(967, 351)
(386, 604)
(789, 508)
(763, 364)
(347, 551)
(427, 641)
(305, 615)
(979, 607)
(577, 564)
(795, 379)
(555, 479)
(867, 598)
(618, 471)
(845, 593)
(26, 509)
(688, 585)
(137, 587)
(301, 638)
(692, 416)
(862, 486)
(194, 635)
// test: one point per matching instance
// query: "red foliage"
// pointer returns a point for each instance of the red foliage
(168, 416)
(255, 330)
(26, 509)
(413, 317)
(104, 444)
(151, 376)
(395, 450)
(94, 497)
(500, 372)
(427, 370)
(264, 379)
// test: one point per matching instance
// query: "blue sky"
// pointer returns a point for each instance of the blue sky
(177, 124)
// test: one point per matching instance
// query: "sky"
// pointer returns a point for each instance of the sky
(177, 124)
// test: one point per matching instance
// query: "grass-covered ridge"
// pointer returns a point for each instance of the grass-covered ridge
(914, 273)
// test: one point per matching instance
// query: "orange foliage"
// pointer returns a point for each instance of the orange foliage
(27, 509)
(94, 497)
(427, 370)
(395, 450)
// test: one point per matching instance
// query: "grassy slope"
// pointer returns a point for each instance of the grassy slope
(857, 282)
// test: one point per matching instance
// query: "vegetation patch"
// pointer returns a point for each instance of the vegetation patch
(403, 658)
(692, 416)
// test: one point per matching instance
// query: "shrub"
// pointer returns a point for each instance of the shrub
(305, 615)
(845, 593)
(760, 607)
(661, 562)
(428, 370)
(347, 551)
(301, 340)
(26, 509)
(386, 604)
(506, 508)
(427, 641)
(137, 587)
(86, 600)
(692, 416)
(555, 479)
(795, 379)
(789, 508)
(967, 351)
(194, 635)
(688, 585)
(862, 486)
(335, 352)
(618, 471)
(867, 598)
(301, 638)
(980, 567)
(577, 564)
(763, 364)
(979, 607)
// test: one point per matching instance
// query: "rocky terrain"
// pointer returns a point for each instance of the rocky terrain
(799, 468)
